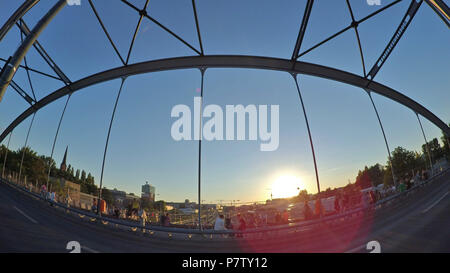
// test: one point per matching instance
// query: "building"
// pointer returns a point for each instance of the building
(119, 197)
(133, 200)
(86, 201)
(63, 166)
(148, 192)
(73, 189)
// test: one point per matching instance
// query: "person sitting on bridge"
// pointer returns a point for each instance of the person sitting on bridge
(242, 225)
(220, 223)
(337, 206)
(167, 220)
(162, 219)
(44, 191)
(318, 208)
(285, 217)
(424, 175)
(94, 205)
(278, 218)
(143, 217)
(307, 210)
(417, 178)
(229, 224)
(68, 200)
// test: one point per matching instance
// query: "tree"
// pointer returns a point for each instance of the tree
(90, 179)
(446, 144)
(147, 204)
(83, 175)
(387, 177)
(107, 196)
(372, 176)
(160, 206)
(302, 196)
(435, 150)
(77, 175)
(404, 162)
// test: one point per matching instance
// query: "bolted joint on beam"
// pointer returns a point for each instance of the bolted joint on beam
(143, 12)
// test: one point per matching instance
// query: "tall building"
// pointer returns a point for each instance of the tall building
(148, 191)
(63, 166)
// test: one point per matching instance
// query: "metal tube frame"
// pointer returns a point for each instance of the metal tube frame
(426, 144)
(385, 139)
(232, 61)
(11, 67)
(6, 155)
(202, 71)
(25, 146)
(106, 145)
(56, 137)
(309, 131)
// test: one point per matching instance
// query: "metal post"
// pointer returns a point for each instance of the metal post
(202, 71)
(309, 134)
(106, 146)
(426, 144)
(11, 68)
(56, 136)
(25, 146)
(385, 139)
(6, 155)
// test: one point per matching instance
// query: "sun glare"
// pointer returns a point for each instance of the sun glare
(286, 186)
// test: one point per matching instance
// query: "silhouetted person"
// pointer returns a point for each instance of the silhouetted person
(242, 225)
(337, 207)
(307, 210)
(167, 220)
(318, 208)
(285, 217)
(278, 218)
(162, 219)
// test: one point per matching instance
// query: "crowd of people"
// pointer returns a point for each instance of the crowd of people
(223, 223)
(344, 200)
(409, 180)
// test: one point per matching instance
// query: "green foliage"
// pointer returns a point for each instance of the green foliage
(160, 206)
(107, 196)
(446, 145)
(147, 204)
(36, 167)
(302, 196)
(436, 150)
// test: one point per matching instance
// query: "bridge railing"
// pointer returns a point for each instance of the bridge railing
(302, 224)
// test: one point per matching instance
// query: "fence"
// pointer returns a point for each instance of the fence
(170, 230)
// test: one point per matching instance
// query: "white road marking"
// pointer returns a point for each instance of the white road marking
(434, 204)
(23, 213)
(89, 249)
(356, 248)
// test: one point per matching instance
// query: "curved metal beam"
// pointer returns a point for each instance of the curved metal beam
(16, 16)
(11, 67)
(406, 20)
(231, 61)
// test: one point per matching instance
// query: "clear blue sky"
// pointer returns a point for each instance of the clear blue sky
(344, 127)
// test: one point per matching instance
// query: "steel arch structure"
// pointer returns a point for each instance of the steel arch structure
(203, 62)
(231, 61)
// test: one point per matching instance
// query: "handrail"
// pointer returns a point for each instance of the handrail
(210, 231)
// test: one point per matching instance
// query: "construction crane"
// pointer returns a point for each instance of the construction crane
(231, 201)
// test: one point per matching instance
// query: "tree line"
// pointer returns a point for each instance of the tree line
(35, 168)
(404, 163)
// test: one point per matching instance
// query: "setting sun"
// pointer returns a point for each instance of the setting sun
(286, 186)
